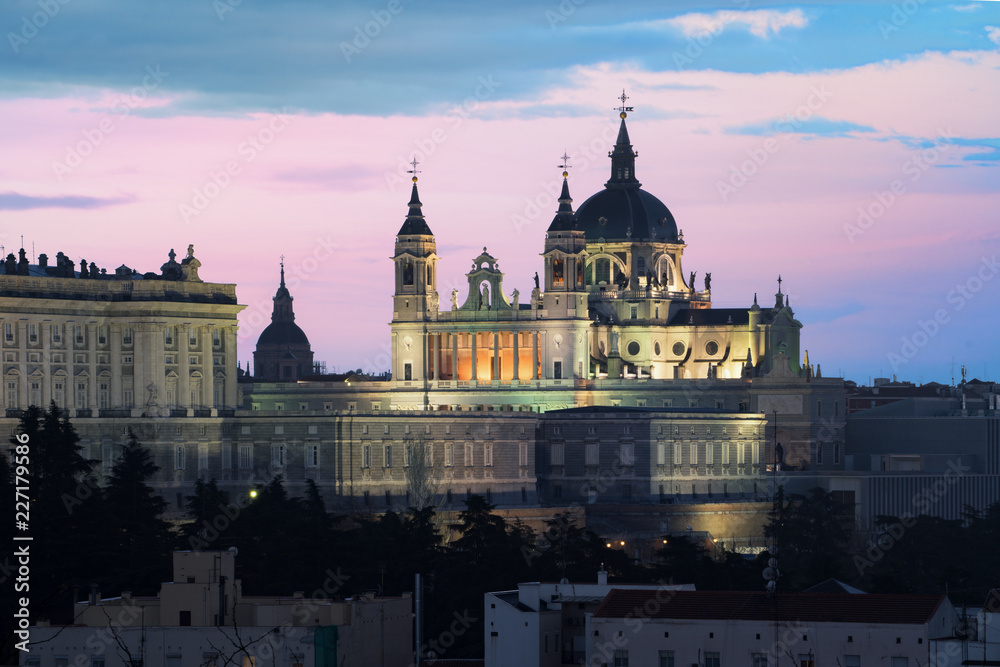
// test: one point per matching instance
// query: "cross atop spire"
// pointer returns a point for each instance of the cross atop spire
(622, 108)
(282, 270)
(414, 171)
(779, 283)
(565, 164)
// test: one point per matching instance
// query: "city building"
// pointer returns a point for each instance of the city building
(714, 628)
(543, 624)
(203, 618)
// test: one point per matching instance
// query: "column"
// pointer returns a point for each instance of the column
(517, 335)
(231, 373)
(454, 355)
(45, 338)
(475, 371)
(24, 396)
(183, 397)
(496, 355)
(115, 331)
(92, 358)
(435, 358)
(534, 355)
(208, 366)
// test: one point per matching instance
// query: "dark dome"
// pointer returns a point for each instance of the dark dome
(627, 213)
(282, 333)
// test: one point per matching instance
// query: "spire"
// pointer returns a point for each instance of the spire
(623, 157)
(565, 219)
(778, 301)
(282, 300)
(415, 224)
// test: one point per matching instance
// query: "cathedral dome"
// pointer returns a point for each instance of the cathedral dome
(626, 213)
(623, 210)
(282, 333)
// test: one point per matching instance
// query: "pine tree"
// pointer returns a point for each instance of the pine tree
(139, 538)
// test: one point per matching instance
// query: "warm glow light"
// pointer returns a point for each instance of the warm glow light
(609, 545)
(253, 493)
(623, 542)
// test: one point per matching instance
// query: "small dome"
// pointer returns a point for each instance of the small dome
(282, 333)
(626, 213)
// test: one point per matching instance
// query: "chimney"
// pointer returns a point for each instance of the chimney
(43, 261)
(602, 576)
(95, 595)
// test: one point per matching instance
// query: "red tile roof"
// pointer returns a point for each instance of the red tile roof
(753, 606)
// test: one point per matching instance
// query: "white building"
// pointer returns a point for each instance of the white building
(715, 628)
(543, 624)
(183, 627)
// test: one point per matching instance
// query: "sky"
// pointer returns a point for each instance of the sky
(852, 148)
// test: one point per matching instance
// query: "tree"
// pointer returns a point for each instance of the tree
(811, 534)
(420, 483)
(139, 539)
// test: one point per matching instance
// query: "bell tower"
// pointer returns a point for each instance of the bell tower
(565, 256)
(415, 297)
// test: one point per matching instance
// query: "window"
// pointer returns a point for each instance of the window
(896, 662)
(312, 456)
(558, 454)
(8, 332)
(759, 660)
(33, 661)
(628, 454)
(366, 456)
(179, 453)
(709, 454)
(621, 658)
(468, 455)
(61, 661)
(449, 455)
(407, 372)
(694, 453)
(32, 333)
(202, 457)
(819, 453)
(852, 661)
(522, 457)
(277, 456)
(127, 336)
(590, 454)
(634, 312)
(488, 454)
(666, 659)
(836, 452)
(246, 457)
(387, 453)
(711, 659)
(808, 660)
(678, 453)
(557, 370)
(216, 338)
(168, 336)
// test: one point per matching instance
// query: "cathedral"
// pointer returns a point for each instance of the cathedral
(614, 382)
